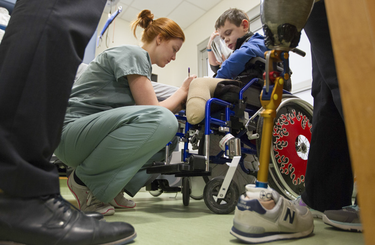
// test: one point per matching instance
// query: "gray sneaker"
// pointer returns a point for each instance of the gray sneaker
(85, 199)
(121, 202)
(346, 218)
(254, 223)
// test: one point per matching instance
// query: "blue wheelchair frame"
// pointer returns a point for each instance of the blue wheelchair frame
(234, 118)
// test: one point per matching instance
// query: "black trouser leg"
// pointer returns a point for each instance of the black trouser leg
(39, 55)
(329, 179)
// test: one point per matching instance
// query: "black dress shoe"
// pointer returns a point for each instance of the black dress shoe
(94, 215)
(52, 220)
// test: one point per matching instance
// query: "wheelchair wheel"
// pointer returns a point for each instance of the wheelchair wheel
(156, 193)
(220, 205)
(185, 191)
(291, 138)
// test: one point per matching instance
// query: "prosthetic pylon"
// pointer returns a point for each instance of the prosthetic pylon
(270, 98)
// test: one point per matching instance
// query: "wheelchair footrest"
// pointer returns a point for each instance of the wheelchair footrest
(195, 166)
(192, 174)
(168, 169)
(162, 184)
(179, 170)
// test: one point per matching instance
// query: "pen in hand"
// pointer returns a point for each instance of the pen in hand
(188, 71)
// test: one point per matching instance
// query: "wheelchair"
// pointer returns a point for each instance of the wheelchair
(225, 139)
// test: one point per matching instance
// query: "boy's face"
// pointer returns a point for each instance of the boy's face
(230, 32)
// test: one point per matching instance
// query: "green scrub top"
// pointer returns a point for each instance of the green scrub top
(104, 85)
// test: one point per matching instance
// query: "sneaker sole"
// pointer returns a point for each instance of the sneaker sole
(110, 211)
(268, 237)
(116, 205)
(316, 213)
(343, 226)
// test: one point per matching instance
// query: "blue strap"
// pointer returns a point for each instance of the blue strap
(109, 21)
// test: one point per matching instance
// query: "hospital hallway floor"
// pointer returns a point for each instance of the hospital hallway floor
(164, 220)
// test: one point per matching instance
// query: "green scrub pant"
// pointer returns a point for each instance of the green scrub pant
(111, 149)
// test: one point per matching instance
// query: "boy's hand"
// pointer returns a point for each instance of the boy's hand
(213, 35)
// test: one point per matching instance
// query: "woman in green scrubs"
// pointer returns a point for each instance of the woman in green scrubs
(114, 125)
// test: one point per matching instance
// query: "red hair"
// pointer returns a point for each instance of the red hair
(167, 28)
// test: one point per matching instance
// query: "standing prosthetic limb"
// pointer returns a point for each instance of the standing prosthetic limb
(282, 25)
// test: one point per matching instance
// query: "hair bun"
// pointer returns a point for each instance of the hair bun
(145, 18)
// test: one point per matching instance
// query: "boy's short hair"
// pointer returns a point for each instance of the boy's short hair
(233, 15)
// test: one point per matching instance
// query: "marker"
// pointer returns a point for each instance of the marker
(188, 71)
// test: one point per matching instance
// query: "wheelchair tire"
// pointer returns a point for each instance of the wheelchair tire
(156, 193)
(218, 205)
(291, 138)
(197, 198)
(185, 191)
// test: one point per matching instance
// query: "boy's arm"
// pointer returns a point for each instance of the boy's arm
(236, 63)
(215, 68)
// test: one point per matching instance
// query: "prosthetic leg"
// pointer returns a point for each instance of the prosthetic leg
(282, 25)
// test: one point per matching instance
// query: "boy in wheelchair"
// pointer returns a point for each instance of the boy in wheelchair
(232, 48)
(244, 64)
(233, 27)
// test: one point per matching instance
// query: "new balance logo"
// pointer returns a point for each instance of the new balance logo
(289, 215)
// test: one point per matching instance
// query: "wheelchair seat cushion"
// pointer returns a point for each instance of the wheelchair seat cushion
(227, 90)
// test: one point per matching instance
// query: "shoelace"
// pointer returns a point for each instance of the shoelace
(91, 200)
(62, 202)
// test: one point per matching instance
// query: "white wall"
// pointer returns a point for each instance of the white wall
(118, 33)
(302, 71)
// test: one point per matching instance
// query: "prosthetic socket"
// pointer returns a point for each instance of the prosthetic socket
(283, 21)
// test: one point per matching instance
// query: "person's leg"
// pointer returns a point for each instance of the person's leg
(39, 55)
(110, 147)
(329, 179)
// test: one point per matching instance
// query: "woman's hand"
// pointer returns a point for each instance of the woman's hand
(185, 90)
(186, 84)
(177, 100)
